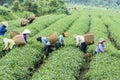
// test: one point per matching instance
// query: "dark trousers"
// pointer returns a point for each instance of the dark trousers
(83, 47)
(58, 45)
(47, 48)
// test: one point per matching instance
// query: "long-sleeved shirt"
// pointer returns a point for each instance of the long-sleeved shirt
(45, 41)
(79, 39)
(61, 39)
(100, 48)
(2, 30)
(9, 43)
(25, 37)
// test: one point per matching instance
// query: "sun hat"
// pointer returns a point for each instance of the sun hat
(5, 23)
(26, 31)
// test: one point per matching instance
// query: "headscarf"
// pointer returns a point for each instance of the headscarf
(102, 40)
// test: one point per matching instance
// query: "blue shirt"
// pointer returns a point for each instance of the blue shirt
(100, 48)
(61, 39)
(45, 41)
(2, 30)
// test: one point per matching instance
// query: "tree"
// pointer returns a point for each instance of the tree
(31, 6)
(51, 6)
(16, 5)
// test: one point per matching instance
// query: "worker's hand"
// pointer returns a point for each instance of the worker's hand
(3, 50)
(105, 50)
(76, 46)
(5, 30)
(63, 44)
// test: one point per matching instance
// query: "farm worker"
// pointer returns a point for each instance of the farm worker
(47, 45)
(25, 33)
(9, 44)
(3, 28)
(101, 46)
(31, 18)
(60, 41)
(80, 41)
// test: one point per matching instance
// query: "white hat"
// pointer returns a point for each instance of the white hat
(5, 23)
(26, 31)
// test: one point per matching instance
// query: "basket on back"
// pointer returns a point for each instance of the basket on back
(53, 38)
(19, 40)
(89, 38)
(24, 22)
(13, 33)
(31, 17)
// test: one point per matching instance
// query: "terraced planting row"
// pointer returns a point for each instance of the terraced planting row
(64, 64)
(113, 30)
(25, 57)
(58, 27)
(41, 23)
(104, 66)
(38, 24)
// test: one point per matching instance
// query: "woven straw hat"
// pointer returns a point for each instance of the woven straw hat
(5, 23)
(26, 31)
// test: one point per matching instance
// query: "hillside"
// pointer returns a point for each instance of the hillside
(28, 61)
(66, 63)
(98, 3)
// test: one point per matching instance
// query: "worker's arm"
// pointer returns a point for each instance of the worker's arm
(77, 42)
(61, 40)
(12, 43)
(44, 42)
(4, 30)
(6, 44)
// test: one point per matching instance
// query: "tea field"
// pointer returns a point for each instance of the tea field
(66, 63)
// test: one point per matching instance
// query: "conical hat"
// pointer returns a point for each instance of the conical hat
(5, 23)
(26, 31)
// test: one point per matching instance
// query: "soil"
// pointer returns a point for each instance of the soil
(84, 69)
(39, 63)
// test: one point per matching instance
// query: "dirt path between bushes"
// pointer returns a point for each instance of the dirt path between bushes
(40, 62)
(112, 40)
(84, 69)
